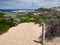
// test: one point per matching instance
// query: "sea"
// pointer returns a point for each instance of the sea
(16, 10)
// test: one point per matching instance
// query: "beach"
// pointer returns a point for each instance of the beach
(23, 34)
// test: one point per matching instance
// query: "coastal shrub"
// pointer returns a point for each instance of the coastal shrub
(16, 18)
(4, 26)
(1, 14)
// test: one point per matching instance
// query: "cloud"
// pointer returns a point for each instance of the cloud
(24, 4)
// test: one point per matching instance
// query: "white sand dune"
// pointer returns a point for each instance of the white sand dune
(23, 34)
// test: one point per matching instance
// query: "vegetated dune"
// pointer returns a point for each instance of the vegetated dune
(23, 34)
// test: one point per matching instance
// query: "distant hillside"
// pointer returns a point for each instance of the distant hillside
(44, 10)
(48, 9)
(57, 8)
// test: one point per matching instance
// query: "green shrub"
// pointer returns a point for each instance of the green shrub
(1, 15)
(4, 26)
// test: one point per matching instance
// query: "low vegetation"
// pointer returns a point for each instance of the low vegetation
(10, 19)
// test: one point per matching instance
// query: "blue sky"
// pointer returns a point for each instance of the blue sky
(28, 4)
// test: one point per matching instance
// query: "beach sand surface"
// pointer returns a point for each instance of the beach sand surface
(23, 34)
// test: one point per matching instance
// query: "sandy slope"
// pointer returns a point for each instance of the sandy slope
(23, 34)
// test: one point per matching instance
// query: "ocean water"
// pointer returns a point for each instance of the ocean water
(16, 10)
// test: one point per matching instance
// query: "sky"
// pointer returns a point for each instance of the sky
(28, 4)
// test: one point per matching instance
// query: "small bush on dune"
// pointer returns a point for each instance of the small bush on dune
(4, 26)
(1, 15)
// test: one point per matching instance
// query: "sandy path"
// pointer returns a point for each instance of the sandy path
(23, 34)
